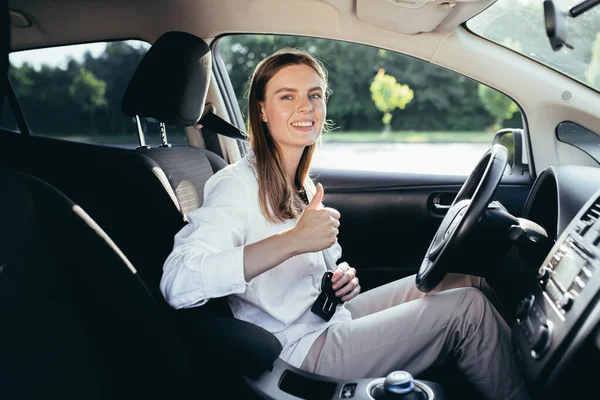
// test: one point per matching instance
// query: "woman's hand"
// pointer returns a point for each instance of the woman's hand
(317, 227)
(345, 282)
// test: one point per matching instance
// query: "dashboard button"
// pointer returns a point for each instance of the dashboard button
(566, 301)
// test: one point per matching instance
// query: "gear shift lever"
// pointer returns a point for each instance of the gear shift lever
(398, 385)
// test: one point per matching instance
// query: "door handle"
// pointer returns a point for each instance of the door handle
(443, 201)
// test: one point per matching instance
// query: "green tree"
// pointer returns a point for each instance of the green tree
(388, 95)
(443, 100)
(80, 97)
(498, 105)
(88, 91)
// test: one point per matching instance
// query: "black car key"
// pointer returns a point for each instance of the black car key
(327, 302)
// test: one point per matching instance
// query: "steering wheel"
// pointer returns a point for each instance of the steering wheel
(464, 213)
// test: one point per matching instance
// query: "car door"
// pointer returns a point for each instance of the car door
(389, 219)
(402, 138)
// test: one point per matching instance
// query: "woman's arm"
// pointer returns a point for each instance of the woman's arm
(261, 256)
(316, 229)
(207, 260)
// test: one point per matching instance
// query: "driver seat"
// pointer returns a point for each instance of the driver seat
(77, 321)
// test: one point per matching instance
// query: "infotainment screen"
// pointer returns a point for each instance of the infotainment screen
(567, 269)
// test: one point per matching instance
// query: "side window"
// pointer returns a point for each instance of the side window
(390, 112)
(75, 93)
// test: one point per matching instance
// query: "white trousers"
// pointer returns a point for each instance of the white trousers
(397, 327)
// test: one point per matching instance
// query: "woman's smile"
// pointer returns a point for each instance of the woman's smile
(294, 108)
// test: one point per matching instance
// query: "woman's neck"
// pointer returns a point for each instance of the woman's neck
(291, 161)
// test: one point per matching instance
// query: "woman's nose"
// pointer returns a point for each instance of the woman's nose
(305, 105)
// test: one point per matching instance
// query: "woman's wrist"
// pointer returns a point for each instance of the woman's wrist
(292, 242)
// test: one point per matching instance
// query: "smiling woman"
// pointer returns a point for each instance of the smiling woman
(274, 254)
(294, 107)
(287, 103)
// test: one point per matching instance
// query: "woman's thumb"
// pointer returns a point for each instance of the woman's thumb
(315, 202)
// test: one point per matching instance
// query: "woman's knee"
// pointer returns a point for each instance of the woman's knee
(454, 281)
(472, 306)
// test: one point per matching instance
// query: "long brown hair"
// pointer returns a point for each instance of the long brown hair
(274, 188)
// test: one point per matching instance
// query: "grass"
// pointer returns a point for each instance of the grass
(409, 137)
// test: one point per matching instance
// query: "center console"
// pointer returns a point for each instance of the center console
(556, 318)
(287, 382)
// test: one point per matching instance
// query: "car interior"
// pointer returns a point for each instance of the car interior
(86, 226)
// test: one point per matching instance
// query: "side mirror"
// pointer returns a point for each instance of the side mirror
(514, 141)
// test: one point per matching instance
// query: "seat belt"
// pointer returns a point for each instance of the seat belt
(213, 125)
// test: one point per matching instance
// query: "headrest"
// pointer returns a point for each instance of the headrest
(171, 82)
(4, 47)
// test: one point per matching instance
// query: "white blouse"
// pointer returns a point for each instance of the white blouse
(207, 261)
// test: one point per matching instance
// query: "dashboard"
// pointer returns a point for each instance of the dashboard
(558, 194)
(556, 335)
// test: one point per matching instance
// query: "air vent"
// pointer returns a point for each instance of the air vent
(592, 214)
(589, 218)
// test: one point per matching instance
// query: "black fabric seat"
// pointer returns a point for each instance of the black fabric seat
(170, 85)
(140, 198)
(77, 322)
(138, 202)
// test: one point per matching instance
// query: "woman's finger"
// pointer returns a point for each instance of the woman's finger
(333, 212)
(352, 294)
(348, 274)
(339, 272)
(350, 283)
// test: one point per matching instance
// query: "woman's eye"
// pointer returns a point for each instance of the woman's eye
(286, 97)
(316, 96)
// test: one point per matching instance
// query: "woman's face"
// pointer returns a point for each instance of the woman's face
(294, 107)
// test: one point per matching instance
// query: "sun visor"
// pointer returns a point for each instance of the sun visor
(416, 16)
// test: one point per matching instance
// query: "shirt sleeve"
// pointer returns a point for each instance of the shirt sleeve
(207, 260)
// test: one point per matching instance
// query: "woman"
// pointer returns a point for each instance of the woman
(261, 241)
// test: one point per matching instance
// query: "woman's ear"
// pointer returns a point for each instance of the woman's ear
(263, 116)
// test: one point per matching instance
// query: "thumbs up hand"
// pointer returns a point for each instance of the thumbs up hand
(317, 227)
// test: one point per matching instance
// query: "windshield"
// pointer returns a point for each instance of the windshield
(519, 25)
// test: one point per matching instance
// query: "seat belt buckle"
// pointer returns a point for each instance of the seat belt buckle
(327, 302)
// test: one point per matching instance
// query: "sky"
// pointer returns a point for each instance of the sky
(58, 56)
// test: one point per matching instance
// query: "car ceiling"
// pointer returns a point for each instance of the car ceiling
(62, 21)
(537, 89)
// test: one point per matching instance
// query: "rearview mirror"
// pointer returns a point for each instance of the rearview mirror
(556, 25)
